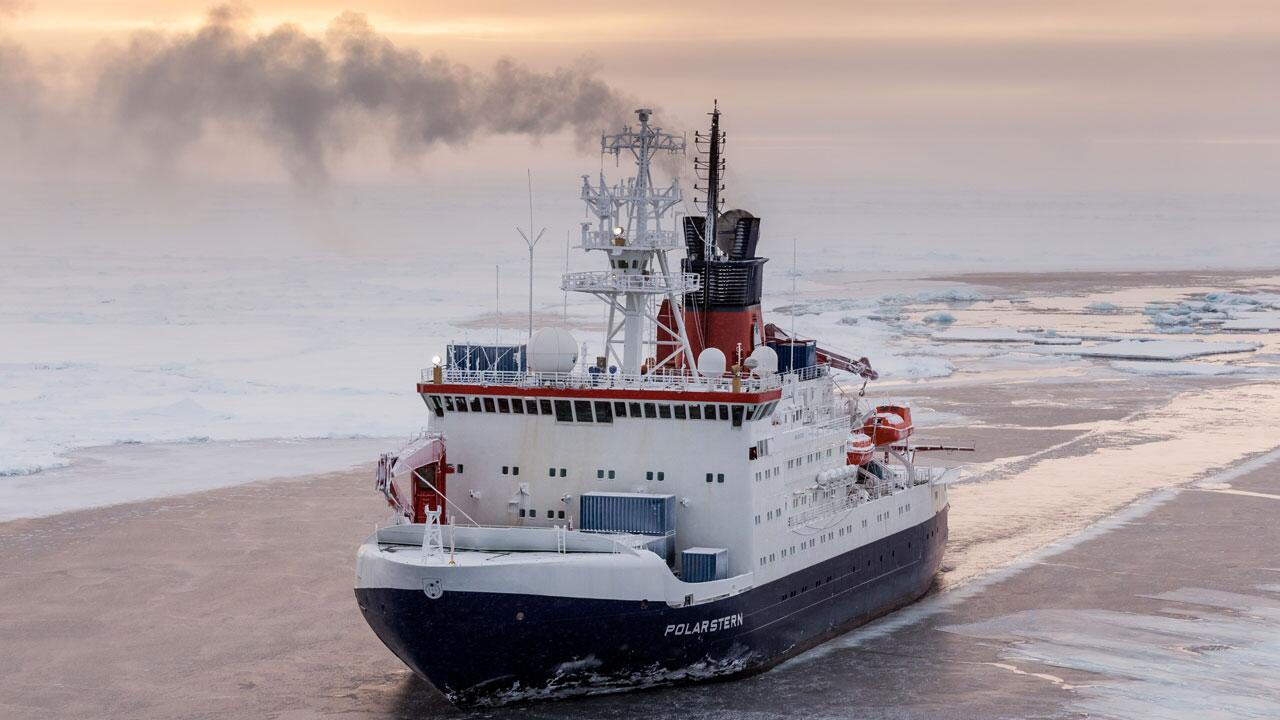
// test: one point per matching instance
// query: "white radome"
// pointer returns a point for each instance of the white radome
(553, 350)
(766, 360)
(711, 363)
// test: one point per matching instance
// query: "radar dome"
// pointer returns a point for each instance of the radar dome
(711, 363)
(552, 349)
(766, 360)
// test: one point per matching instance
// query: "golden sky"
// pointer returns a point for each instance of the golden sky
(953, 91)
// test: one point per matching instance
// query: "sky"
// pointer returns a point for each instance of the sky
(1127, 106)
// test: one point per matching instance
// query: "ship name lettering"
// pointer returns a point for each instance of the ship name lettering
(706, 626)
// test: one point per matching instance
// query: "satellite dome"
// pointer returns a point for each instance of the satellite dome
(552, 350)
(711, 363)
(766, 360)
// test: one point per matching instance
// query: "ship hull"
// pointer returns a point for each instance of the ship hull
(496, 648)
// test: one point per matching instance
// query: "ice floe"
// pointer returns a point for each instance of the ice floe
(1160, 349)
(1217, 310)
(1268, 321)
(984, 334)
(1175, 368)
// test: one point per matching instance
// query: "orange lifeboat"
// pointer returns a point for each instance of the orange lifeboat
(859, 449)
(888, 424)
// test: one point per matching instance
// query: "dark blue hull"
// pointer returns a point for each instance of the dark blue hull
(494, 648)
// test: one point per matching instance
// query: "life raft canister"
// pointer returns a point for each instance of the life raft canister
(858, 449)
(888, 424)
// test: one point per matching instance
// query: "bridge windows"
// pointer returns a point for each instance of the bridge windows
(564, 411)
(585, 410)
(604, 411)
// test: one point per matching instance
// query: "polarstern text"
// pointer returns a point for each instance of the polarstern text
(706, 626)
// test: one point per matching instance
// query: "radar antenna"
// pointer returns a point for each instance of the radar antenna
(629, 228)
(710, 170)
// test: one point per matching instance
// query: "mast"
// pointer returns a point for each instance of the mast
(630, 230)
(713, 166)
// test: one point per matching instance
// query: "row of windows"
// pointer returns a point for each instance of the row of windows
(811, 457)
(769, 472)
(600, 411)
(533, 513)
(848, 529)
(771, 515)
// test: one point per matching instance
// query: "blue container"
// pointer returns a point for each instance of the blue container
(504, 358)
(797, 355)
(704, 564)
(640, 513)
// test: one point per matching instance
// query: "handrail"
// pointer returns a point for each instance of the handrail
(604, 380)
(608, 280)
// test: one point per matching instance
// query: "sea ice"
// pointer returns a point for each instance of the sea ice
(1160, 349)
(1254, 321)
(939, 318)
(983, 334)
(1160, 369)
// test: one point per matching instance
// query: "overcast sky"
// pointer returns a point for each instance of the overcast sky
(1129, 97)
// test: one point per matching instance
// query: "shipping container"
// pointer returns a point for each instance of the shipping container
(702, 564)
(642, 513)
(795, 355)
(476, 358)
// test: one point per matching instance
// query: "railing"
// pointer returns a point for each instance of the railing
(839, 425)
(861, 494)
(650, 240)
(603, 380)
(610, 281)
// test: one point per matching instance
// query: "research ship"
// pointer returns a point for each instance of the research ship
(701, 499)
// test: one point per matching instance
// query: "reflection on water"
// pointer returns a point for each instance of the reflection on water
(1014, 505)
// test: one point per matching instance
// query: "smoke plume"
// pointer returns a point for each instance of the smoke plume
(308, 97)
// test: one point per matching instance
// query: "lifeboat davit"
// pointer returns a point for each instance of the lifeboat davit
(889, 424)
(859, 449)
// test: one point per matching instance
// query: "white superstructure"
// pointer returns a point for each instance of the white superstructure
(704, 479)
